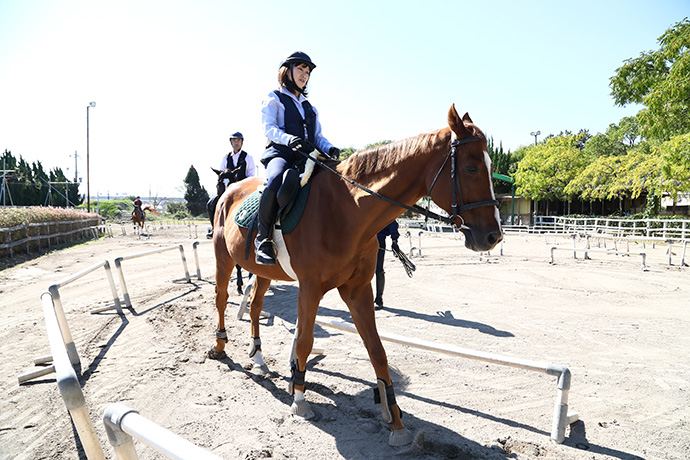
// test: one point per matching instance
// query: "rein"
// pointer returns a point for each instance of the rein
(455, 193)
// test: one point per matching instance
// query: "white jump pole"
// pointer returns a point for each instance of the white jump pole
(68, 383)
(122, 423)
(195, 245)
(118, 266)
(561, 418)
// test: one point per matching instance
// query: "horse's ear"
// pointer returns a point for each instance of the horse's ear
(456, 124)
(215, 170)
(467, 118)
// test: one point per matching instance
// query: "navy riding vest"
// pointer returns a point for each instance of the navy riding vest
(294, 125)
(240, 174)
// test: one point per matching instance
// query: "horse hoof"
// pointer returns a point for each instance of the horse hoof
(213, 354)
(302, 409)
(400, 437)
(260, 369)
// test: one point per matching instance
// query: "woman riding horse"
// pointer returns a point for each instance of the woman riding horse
(288, 120)
(335, 246)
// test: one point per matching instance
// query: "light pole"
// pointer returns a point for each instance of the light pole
(535, 134)
(88, 189)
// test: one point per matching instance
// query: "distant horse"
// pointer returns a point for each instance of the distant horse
(334, 244)
(139, 217)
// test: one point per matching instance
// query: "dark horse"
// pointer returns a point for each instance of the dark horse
(225, 177)
(334, 245)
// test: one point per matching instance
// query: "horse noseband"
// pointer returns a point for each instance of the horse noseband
(456, 192)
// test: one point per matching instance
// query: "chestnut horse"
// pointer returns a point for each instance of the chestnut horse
(138, 219)
(334, 244)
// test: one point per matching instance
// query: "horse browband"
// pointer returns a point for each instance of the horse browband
(415, 208)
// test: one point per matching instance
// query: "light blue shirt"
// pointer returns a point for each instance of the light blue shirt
(273, 119)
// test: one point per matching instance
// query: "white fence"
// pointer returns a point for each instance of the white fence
(561, 418)
(664, 228)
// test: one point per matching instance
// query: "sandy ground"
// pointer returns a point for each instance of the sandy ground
(624, 334)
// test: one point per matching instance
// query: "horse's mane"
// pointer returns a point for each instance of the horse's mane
(387, 156)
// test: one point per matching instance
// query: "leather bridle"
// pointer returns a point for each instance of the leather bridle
(456, 192)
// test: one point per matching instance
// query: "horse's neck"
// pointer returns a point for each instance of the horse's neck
(399, 172)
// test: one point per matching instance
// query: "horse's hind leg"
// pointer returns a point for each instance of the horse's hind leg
(360, 301)
(256, 304)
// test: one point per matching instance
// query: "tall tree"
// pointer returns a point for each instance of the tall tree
(547, 168)
(659, 80)
(502, 162)
(195, 195)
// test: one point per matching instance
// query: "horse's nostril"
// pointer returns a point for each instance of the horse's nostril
(493, 238)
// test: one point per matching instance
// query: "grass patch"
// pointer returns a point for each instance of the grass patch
(11, 217)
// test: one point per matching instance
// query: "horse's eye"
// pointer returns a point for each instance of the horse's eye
(472, 169)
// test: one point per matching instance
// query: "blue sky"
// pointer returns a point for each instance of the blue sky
(173, 79)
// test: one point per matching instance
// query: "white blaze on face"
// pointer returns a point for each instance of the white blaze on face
(487, 162)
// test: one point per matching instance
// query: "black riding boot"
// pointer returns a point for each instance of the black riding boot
(380, 283)
(268, 209)
(211, 209)
(240, 285)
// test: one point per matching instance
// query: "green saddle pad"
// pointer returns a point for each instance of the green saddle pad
(248, 209)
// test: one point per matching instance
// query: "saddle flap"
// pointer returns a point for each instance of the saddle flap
(288, 219)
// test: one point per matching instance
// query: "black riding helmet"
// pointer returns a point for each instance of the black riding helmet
(237, 135)
(298, 57)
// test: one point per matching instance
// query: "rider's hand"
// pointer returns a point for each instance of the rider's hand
(296, 143)
(334, 153)
(395, 246)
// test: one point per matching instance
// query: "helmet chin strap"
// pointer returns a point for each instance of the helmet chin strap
(291, 85)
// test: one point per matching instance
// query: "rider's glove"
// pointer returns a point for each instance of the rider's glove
(334, 153)
(296, 143)
(395, 246)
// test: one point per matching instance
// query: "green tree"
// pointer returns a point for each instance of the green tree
(659, 80)
(547, 168)
(195, 195)
(502, 163)
(675, 165)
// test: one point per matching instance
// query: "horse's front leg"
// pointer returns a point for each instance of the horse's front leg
(308, 300)
(256, 304)
(358, 296)
(223, 272)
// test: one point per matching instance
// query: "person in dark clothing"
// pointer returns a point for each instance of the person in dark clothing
(291, 123)
(137, 207)
(234, 166)
(390, 230)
